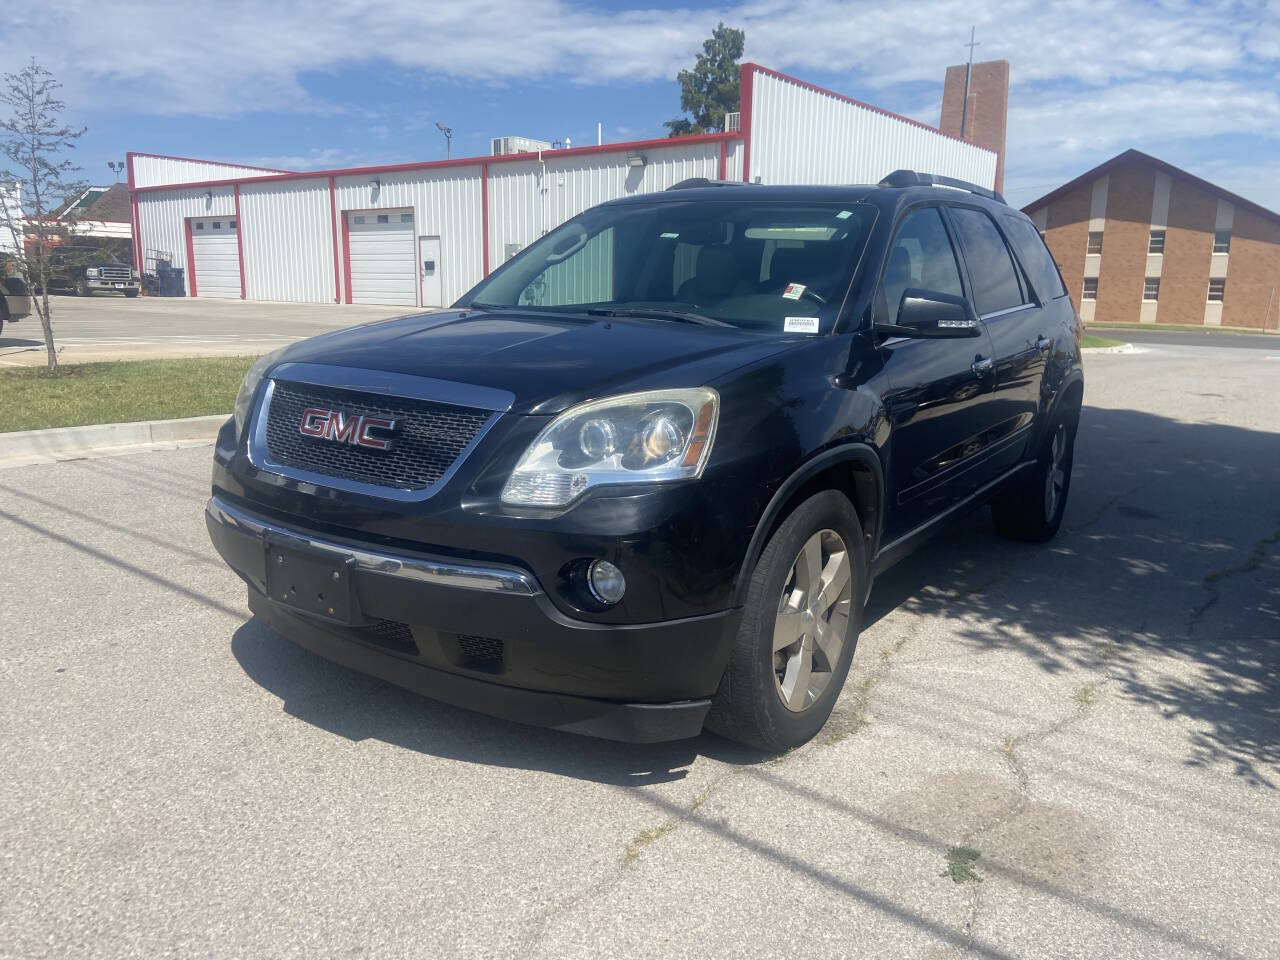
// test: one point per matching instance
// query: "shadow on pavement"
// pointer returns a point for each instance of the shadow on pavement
(359, 707)
(1171, 546)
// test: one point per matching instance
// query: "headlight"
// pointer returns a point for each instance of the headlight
(91, 271)
(249, 387)
(135, 275)
(651, 437)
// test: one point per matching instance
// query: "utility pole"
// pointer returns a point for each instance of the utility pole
(968, 71)
(448, 139)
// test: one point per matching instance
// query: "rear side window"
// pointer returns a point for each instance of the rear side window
(921, 256)
(991, 269)
(1035, 258)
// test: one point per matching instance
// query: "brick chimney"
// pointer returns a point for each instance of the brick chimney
(988, 111)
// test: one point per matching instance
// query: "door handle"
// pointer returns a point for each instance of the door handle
(1043, 343)
(981, 366)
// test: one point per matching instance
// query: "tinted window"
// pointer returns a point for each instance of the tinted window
(754, 265)
(921, 256)
(1035, 257)
(991, 270)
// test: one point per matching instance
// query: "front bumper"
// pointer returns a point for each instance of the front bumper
(485, 636)
(112, 284)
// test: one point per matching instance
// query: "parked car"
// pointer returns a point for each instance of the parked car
(15, 301)
(88, 270)
(641, 478)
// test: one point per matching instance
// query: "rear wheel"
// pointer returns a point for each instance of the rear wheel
(799, 629)
(1032, 509)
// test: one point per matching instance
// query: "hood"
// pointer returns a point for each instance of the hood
(548, 362)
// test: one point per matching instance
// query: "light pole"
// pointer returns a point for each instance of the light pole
(448, 139)
(117, 168)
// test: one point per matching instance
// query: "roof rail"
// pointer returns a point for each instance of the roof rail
(693, 183)
(910, 178)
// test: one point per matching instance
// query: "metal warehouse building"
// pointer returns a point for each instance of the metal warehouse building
(422, 234)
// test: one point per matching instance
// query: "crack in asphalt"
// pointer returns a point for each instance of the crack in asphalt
(1257, 557)
(1085, 697)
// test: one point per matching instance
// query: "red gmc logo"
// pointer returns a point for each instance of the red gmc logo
(340, 427)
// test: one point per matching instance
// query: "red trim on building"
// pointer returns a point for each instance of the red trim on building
(333, 228)
(624, 147)
(746, 92)
(346, 256)
(191, 256)
(239, 241)
(755, 67)
(484, 217)
(724, 158)
(133, 216)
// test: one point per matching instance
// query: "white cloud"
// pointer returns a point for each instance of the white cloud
(1089, 76)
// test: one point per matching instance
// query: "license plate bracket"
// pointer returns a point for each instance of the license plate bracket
(316, 582)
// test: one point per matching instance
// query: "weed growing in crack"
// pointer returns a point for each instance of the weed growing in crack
(960, 862)
(643, 839)
(1085, 694)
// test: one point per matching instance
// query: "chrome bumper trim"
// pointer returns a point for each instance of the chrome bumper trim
(447, 573)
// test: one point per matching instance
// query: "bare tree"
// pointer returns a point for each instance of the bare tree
(34, 141)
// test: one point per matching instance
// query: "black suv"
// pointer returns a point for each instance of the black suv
(641, 478)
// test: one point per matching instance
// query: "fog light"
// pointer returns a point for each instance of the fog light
(606, 582)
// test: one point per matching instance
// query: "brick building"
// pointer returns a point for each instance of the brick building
(1137, 239)
(984, 118)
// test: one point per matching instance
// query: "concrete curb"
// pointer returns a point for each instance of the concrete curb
(64, 443)
(1122, 348)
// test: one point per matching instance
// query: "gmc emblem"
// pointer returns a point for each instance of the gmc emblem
(340, 427)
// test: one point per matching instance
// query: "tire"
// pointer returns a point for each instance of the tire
(1032, 509)
(82, 289)
(751, 705)
(131, 293)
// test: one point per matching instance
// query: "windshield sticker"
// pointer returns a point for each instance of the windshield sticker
(844, 214)
(794, 291)
(800, 325)
(668, 236)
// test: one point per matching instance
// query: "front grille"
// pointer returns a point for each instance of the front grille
(391, 634)
(116, 273)
(429, 437)
(481, 653)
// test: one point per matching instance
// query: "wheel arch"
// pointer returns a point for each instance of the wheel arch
(854, 469)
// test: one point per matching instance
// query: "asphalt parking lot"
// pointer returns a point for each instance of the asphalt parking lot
(1086, 736)
(115, 328)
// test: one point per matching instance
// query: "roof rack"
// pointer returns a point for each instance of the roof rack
(695, 182)
(910, 178)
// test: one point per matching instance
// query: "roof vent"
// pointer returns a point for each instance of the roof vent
(507, 145)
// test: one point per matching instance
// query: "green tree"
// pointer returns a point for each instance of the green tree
(34, 138)
(710, 89)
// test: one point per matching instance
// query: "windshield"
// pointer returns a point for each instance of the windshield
(767, 266)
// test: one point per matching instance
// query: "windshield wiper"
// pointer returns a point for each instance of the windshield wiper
(657, 313)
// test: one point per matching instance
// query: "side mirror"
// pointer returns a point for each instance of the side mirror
(932, 314)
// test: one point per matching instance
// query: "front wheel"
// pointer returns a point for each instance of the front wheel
(798, 631)
(1032, 509)
(82, 289)
(131, 294)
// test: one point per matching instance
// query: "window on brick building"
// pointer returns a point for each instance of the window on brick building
(1156, 243)
(1095, 242)
(1151, 288)
(1222, 241)
(1218, 290)
(1090, 289)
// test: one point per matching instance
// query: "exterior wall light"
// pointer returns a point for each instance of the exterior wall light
(637, 160)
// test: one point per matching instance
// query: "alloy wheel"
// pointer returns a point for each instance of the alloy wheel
(812, 624)
(1055, 481)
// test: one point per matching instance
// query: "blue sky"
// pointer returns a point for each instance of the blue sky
(306, 85)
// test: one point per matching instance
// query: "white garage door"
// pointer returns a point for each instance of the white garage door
(217, 257)
(383, 265)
